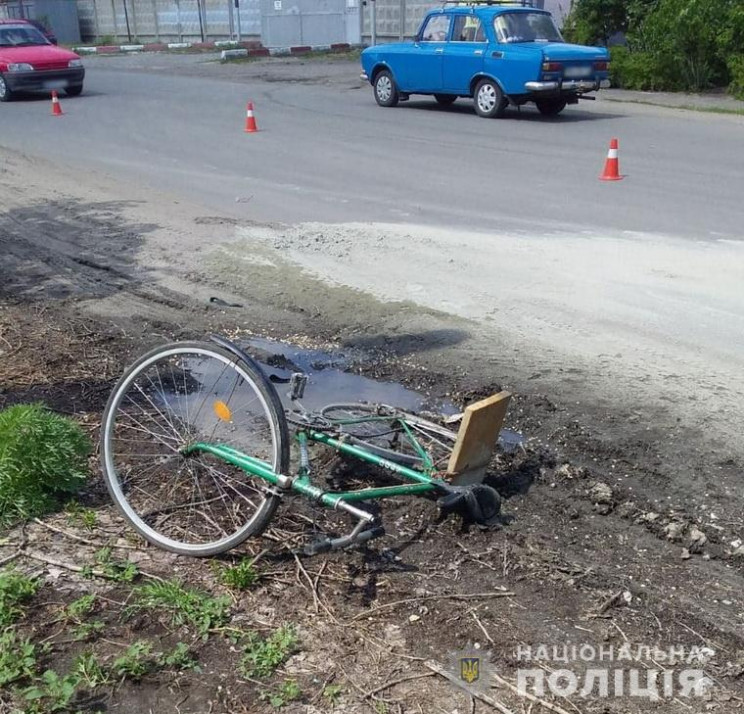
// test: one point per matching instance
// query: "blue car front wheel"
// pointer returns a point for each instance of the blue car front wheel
(386, 93)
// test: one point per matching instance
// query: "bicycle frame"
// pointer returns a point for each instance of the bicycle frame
(421, 481)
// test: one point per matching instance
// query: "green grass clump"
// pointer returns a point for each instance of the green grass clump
(289, 692)
(136, 661)
(42, 455)
(15, 588)
(17, 657)
(179, 658)
(121, 571)
(51, 692)
(89, 671)
(185, 605)
(263, 655)
(240, 576)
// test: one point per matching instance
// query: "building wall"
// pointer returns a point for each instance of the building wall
(167, 20)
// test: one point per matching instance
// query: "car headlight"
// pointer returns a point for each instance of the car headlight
(20, 67)
(75, 63)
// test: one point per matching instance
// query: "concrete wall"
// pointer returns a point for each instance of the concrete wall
(167, 20)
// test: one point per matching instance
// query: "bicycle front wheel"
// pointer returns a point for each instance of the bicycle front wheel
(188, 500)
(393, 434)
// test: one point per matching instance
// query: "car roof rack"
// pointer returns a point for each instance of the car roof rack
(518, 3)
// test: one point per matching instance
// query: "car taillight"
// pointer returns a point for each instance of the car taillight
(602, 66)
(552, 66)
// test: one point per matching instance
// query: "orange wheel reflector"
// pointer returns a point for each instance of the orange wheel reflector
(222, 410)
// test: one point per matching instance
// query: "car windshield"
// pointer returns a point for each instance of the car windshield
(526, 27)
(20, 36)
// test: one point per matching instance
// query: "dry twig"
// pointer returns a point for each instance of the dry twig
(455, 596)
(542, 702)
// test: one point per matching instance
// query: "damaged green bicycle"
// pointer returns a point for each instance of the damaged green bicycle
(195, 451)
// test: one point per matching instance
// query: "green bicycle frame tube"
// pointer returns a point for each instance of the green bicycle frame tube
(423, 483)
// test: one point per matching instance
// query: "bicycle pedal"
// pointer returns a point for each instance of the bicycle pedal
(479, 504)
(297, 383)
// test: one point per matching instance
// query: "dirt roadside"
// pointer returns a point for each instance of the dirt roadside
(603, 501)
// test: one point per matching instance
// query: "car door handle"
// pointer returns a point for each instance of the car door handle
(478, 52)
(439, 50)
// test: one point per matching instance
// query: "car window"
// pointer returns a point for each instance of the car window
(436, 29)
(468, 29)
(526, 27)
(20, 36)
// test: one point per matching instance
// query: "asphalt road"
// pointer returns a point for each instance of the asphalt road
(326, 152)
(623, 293)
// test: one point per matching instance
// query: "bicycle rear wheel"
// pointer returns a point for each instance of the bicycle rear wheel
(172, 398)
(380, 429)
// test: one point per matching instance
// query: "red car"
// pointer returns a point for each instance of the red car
(29, 62)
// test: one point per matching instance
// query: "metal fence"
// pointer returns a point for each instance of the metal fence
(137, 21)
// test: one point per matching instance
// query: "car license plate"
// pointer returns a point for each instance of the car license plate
(55, 84)
(573, 72)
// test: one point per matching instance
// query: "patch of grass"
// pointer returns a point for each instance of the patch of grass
(331, 693)
(262, 656)
(686, 107)
(81, 607)
(42, 455)
(240, 576)
(186, 606)
(136, 661)
(179, 658)
(81, 516)
(89, 671)
(17, 657)
(15, 588)
(52, 692)
(121, 571)
(289, 692)
(87, 630)
(75, 614)
(331, 56)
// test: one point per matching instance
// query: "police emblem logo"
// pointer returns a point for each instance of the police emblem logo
(470, 669)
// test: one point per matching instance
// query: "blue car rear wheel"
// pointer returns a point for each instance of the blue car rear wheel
(489, 100)
(386, 93)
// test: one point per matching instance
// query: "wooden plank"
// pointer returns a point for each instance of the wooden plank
(476, 439)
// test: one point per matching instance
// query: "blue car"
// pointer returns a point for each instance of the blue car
(496, 52)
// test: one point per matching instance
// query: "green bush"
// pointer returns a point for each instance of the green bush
(42, 455)
(673, 45)
(736, 68)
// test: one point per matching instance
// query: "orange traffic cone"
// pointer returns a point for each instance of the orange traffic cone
(612, 165)
(56, 106)
(250, 120)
